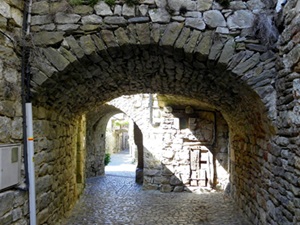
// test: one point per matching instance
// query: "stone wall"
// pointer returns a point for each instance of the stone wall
(116, 138)
(112, 142)
(284, 194)
(84, 56)
(10, 72)
(278, 199)
(14, 203)
(96, 127)
(98, 141)
(91, 36)
(251, 158)
(190, 137)
(59, 163)
(170, 137)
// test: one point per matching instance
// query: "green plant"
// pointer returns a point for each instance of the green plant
(132, 2)
(92, 2)
(110, 2)
(120, 122)
(106, 159)
(83, 2)
(76, 2)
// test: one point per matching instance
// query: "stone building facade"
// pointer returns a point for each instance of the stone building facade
(180, 141)
(212, 62)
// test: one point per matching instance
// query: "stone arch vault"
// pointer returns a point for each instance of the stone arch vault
(79, 73)
(148, 58)
(84, 56)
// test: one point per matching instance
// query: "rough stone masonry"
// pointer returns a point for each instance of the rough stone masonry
(220, 58)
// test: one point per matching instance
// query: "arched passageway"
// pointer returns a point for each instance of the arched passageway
(82, 56)
(186, 145)
(152, 69)
(117, 133)
(101, 125)
(85, 72)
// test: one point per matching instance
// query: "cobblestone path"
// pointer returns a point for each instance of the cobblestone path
(116, 200)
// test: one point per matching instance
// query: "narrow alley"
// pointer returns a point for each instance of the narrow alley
(115, 199)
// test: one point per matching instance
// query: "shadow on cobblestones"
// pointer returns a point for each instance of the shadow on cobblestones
(116, 199)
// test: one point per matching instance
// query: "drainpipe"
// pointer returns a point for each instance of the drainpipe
(30, 159)
(27, 117)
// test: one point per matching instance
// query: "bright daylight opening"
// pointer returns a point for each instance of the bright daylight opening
(120, 152)
(172, 144)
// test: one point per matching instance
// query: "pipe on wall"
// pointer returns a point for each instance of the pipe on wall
(30, 160)
(27, 116)
(24, 94)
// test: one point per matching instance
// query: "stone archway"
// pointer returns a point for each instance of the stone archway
(166, 60)
(96, 140)
(91, 43)
(74, 72)
(96, 129)
(162, 68)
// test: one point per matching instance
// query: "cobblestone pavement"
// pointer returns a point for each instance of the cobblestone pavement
(117, 200)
